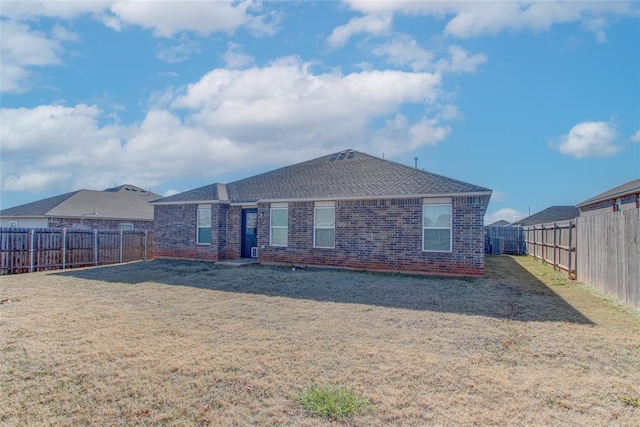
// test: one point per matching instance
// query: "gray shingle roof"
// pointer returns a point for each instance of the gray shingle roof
(552, 214)
(349, 174)
(208, 193)
(126, 204)
(621, 190)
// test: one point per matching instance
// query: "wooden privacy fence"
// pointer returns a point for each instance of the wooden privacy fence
(554, 244)
(509, 239)
(24, 250)
(609, 254)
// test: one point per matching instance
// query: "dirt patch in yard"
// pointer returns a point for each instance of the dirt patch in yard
(187, 343)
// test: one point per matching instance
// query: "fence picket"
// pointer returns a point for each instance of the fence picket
(27, 250)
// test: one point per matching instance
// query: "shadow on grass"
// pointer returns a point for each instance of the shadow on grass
(508, 291)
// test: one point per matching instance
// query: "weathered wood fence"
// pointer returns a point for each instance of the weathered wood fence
(602, 251)
(510, 239)
(24, 250)
(609, 254)
(554, 244)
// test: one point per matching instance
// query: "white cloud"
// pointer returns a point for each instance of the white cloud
(227, 121)
(371, 24)
(636, 136)
(48, 8)
(286, 102)
(404, 50)
(473, 19)
(589, 139)
(234, 58)
(22, 49)
(167, 18)
(506, 214)
(179, 52)
(35, 182)
(460, 61)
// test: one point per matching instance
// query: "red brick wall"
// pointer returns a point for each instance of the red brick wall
(370, 235)
(380, 235)
(174, 233)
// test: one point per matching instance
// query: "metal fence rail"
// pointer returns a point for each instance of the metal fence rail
(25, 250)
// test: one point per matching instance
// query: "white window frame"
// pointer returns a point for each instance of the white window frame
(13, 224)
(127, 226)
(198, 226)
(278, 207)
(324, 205)
(438, 202)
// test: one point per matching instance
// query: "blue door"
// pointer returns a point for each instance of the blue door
(249, 233)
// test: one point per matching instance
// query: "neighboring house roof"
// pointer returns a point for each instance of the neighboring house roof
(125, 202)
(630, 187)
(501, 223)
(346, 175)
(552, 214)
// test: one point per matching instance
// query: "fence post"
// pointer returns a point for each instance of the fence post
(64, 248)
(121, 243)
(571, 250)
(555, 245)
(31, 249)
(145, 244)
(95, 247)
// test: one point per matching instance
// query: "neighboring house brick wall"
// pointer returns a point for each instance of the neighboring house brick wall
(627, 202)
(99, 224)
(380, 235)
(174, 234)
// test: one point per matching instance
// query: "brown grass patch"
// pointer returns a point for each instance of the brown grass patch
(181, 343)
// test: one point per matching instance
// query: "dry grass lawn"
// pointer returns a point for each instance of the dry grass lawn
(186, 343)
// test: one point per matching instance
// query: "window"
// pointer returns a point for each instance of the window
(436, 226)
(13, 224)
(279, 224)
(324, 223)
(125, 226)
(204, 225)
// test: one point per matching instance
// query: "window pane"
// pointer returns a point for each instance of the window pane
(279, 236)
(204, 235)
(325, 237)
(437, 216)
(279, 217)
(325, 217)
(204, 217)
(437, 240)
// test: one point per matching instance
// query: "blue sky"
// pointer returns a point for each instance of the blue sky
(539, 101)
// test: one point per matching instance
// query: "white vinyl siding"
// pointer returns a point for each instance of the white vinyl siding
(436, 225)
(203, 232)
(324, 224)
(279, 222)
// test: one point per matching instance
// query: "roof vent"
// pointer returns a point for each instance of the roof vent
(342, 155)
(333, 157)
(351, 154)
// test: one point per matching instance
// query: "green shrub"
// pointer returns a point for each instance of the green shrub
(333, 402)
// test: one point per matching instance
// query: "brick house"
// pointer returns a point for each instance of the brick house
(620, 198)
(348, 209)
(125, 207)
